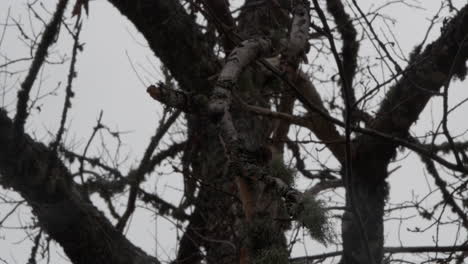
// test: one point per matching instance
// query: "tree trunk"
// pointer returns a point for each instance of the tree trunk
(362, 224)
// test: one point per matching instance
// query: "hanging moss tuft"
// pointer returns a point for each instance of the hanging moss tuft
(279, 170)
(313, 216)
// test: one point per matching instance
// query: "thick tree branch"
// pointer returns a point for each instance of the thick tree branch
(447, 147)
(67, 216)
(430, 70)
(221, 99)
(224, 20)
(164, 40)
(175, 38)
(323, 129)
(350, 48)
(189, 246)
(321, 123)
(220, 8)
(296, 50)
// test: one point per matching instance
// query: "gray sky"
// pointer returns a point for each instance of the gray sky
(106, 81)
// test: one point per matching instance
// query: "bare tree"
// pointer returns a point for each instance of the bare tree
(240, 82)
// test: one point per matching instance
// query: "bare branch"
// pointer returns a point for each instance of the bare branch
(448, 197)
(48, 38)
(68, 91)
(391, 250)
(67, 216)
(138, 175)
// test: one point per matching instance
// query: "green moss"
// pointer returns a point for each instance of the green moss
(313, 216)
(279, 170)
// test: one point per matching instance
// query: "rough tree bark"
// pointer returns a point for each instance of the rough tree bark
(67, 215)
(428, 72)
(88, 237)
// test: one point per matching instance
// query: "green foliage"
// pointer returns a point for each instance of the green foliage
(279, 170)
(312, 214)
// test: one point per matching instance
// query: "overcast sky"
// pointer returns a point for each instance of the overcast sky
(107, 81)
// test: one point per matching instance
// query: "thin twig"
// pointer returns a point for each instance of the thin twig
(48, 38)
